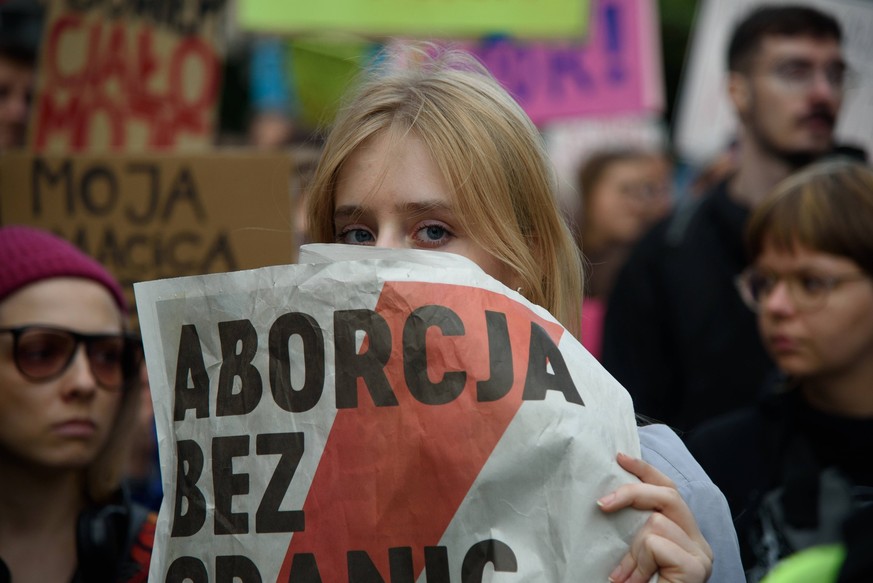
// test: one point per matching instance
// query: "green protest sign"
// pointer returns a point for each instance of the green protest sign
(420, 18)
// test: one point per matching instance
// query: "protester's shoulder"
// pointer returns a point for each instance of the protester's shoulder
(646, 254)
(678, 230)
(694, 217)
(652, 241)
(740, 428)
(662, 448)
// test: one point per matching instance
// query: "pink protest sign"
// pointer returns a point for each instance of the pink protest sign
(615, 70)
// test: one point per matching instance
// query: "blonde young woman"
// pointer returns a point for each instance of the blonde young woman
(68, 399)
(434, 154)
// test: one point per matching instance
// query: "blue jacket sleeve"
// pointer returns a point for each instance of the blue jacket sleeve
(663, 449)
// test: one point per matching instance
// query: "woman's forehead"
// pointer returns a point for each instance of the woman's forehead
(385, 170)
(72, 302)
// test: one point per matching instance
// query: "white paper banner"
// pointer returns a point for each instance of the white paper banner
(375, 415)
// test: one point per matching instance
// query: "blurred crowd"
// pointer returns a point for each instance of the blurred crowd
(739, 312)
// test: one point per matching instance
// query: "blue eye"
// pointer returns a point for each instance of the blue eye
(433, 235)
(356, 236)
(435, 232)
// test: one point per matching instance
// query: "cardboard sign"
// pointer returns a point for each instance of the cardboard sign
(615, 70)
(378, 415)
(706, 121)
(127, 77)
(154, 216)
(421, 18)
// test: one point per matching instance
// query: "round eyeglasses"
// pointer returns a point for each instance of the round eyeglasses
(43, 353)
(800, 76)
(808, 291)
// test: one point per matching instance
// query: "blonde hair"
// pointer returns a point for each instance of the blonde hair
(828, 207)
(489, 153)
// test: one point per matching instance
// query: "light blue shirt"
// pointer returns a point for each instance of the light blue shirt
(663, 449)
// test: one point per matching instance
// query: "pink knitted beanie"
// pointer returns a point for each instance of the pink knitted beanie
(28, 255)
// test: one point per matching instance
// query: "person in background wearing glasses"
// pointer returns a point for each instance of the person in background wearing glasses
(622, 192)
(797, 464)
(69, 393)
(675, 334)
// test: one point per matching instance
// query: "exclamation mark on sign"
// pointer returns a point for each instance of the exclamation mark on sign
(613, 41)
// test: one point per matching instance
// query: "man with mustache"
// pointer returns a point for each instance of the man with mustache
(676, 334)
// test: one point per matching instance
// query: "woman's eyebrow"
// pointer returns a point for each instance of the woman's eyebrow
(408, 208)
(348, 211)
(421, 207)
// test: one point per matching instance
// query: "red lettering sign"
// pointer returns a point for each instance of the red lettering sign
(123, 85)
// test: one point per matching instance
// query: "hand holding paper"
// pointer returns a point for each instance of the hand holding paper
(670, 543)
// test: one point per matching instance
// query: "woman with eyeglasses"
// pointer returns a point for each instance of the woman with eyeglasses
(797, 465)
(622, 192)
(68, 396)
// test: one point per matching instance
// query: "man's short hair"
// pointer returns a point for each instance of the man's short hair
(768, 21)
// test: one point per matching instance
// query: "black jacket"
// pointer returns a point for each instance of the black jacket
(811, 467)
(676, 333)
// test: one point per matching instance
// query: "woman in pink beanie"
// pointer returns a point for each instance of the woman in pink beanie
(68, 399)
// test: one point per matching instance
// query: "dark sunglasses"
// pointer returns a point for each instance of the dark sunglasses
(43, 353)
